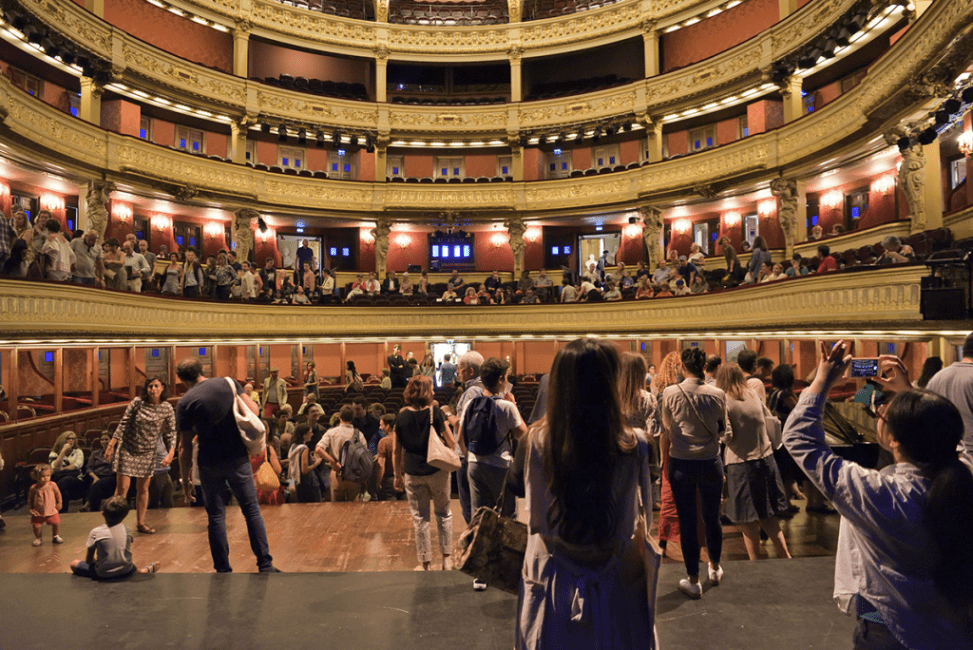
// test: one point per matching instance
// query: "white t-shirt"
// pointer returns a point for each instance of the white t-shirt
(508, 418)
(113, 550)
(334, 439)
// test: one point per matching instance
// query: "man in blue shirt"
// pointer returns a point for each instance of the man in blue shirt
(447, 372)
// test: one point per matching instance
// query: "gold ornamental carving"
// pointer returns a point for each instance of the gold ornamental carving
(581, 26)
(312, 26)
(420, 40)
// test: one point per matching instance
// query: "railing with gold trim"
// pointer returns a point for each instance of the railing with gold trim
(32, 311)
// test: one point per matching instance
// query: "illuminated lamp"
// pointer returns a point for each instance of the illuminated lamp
(498, 240)
(367, 237)
(965, 142)
(766, 208)
(732, 218)
(833, 199)
(213, 229)
(403, 240)
(532, 235)
(51, 202)
(633, 231)
(161, 222)
(682, 226)
(265, 235)
(122, 212)
(884, 184)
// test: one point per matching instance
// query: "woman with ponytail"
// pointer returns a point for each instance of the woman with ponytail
(903, 566)
(584, 581)
(694, 419)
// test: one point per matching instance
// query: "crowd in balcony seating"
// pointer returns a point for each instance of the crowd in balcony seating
(345, 8)
(540, 9)
(447, 101)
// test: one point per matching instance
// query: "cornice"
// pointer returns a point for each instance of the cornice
(890, 294)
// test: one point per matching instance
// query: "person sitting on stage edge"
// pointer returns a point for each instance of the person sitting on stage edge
(110, 547)
(206, 411)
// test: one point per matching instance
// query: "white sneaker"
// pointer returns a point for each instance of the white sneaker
(57, 539)
(715, 575)
(694, 591)
(479, 585)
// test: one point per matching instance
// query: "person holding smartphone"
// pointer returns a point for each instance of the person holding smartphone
(903, 565)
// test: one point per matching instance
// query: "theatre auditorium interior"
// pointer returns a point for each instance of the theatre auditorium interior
(352, 175)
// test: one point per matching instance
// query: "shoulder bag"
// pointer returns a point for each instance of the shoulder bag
(693, 407)
(775, 429)
(437, 453)
(266, 479)
(253, 432)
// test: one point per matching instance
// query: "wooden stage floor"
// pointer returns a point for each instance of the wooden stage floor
(325, 537)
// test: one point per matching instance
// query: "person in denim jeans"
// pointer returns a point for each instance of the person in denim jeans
(206, 411)
(694, 417)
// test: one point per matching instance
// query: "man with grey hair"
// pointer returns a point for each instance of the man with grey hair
(467, 372)
(136, 265)
(895, 252)
(955, 383)
(90, 265)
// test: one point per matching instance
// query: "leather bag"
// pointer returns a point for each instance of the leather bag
(253, 432)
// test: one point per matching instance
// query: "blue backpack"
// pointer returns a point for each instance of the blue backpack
(480, 425)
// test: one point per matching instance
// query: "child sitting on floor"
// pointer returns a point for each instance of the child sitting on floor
(44, 501)
(110, 546)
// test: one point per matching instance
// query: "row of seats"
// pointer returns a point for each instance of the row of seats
(574, 87)
(540, 9)
(449, 13)
(345, 8)
(454, 179)
(448, 101)
(338, 89)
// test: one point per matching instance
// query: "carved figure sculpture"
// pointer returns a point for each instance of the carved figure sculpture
(381, 234)
(786, 191)
(913, 184)
(652, 234)
(515, 232)
(99, 192)
(242, 232)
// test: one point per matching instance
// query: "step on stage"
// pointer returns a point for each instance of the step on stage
(347, 586)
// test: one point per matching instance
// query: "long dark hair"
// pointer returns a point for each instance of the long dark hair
(928, 427)
(586, 437)
(930, 367)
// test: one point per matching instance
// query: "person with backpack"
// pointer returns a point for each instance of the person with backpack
(490, 424)
(345, 449)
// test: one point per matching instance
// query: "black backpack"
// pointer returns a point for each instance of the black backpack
(356, 461)
(480, 425)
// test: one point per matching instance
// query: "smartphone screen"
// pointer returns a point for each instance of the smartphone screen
(867, 367)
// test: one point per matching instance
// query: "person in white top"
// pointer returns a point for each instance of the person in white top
(329, 448)
(248, 290)
(372, 286)
(327, 283)
(696, 257)
(57, 255)
(136, 265)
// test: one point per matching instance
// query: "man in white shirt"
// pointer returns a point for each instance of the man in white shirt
(543, 286)
(329, 448)
(136, 265)
(58, 259)
(89, 265)
(955, 383)
(248, 290)
(150, 257)
(372, 286)
(327, 283)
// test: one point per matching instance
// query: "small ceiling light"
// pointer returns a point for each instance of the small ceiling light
(302, 136)
(282, 133)
(265, 128)
(320, 139)
(928, 136)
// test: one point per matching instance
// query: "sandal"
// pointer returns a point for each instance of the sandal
(152, 568)
(145, 530)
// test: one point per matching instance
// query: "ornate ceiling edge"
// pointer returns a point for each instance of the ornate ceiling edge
(892, 294)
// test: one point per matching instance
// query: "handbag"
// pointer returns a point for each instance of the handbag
(437, 453)
(493, 547)
(775, 429)
(266, 478)
(252, 429)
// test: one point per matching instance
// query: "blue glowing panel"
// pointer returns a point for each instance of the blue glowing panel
(192, 241)
(567, 250)
(395, 171)
(347, 167)
(503, 170)
(333, 251)
(144, 134)
(814, 220)
(435, 250)
(855, 212)
(155, 353)
(456, 251)
(555, 250)
(202, 352)
(284, 161)
(445, 251)
(179, 239)
(182, 143)
(466, 251)
(48, 357)
(345, 252)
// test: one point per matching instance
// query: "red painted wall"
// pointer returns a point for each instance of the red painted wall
(216, 144)
(481, 166)
(489, 257)
(417, 166)
(366, 166)
(764, 115)
(172, 33)
(533, 160)
(717, 34)
(267, 152)
(121, 116)
(366, 252)
(163, 132)
(317, 159)
(581, 158)
(726, 131)
(268, 60)
(416, 252)
(678, 143)
(826, 94)
(534, 254)
(628, 151)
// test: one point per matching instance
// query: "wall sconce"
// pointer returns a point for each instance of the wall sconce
(403, 240)
(122, 212)
(213, 229)
(367, 238)
(51, 202)
(965, 142)
(498, 240)
(833, 199)
(266, 235)
(884, 184)
(766, 208)
(4, 190)
(161, 222)
(682, 226)
(732, 219)
(533, 235)
(633, 231)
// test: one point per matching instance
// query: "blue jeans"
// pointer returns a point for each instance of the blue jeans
(685, 478)
(463, 490)
(239, 476)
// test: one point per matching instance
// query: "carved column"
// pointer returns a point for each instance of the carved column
(242, 232)
(381, 70)
(514, 53)
(516, 157)
(241, 48)
(515, 10)
(653, 132)
(791, 211)
(381, 234)
(787, 7)
(515, 232)
(933, 195)
(650, 39)
(95, 208)
(652, 234)
(381, 157)
(381, 11)
(91, 92)
(919, 180)
(790, 90)
(238, 138)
